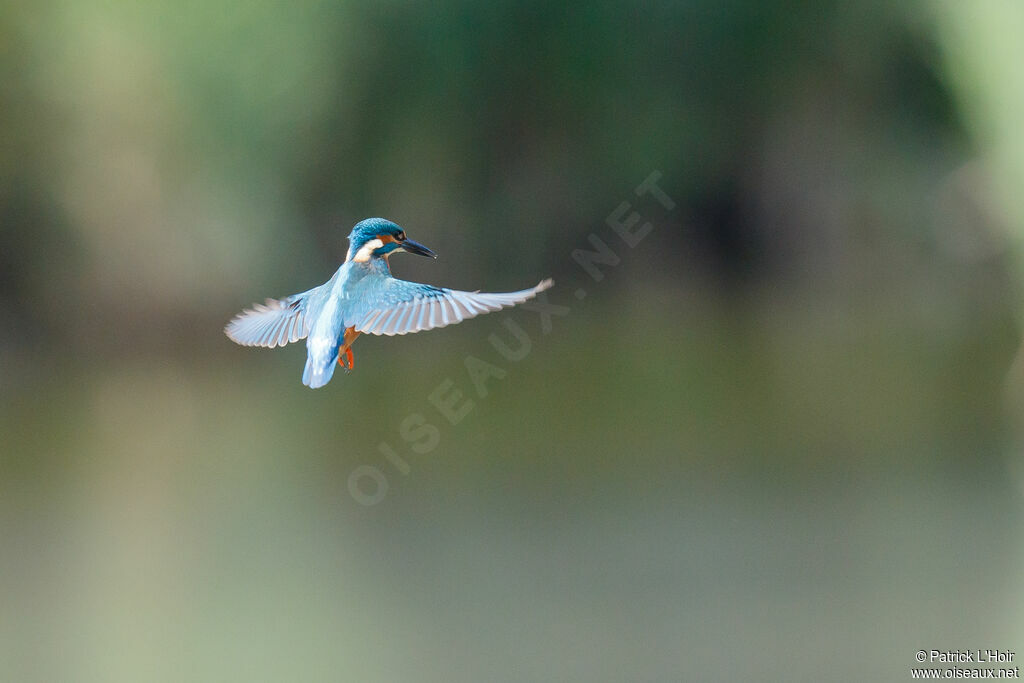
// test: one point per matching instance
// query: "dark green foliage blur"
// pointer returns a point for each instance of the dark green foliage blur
(783, 428)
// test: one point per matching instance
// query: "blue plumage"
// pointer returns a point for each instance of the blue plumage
(362, 297)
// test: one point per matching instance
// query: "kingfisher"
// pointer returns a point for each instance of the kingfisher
(362, 297)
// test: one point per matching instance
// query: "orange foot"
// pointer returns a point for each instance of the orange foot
(347, 355)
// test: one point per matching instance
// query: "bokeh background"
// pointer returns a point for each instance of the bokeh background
(778, 441)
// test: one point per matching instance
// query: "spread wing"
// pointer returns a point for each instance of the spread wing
(401, 307)
(274, 323)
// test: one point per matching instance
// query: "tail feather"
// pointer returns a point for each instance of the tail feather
(317, 374)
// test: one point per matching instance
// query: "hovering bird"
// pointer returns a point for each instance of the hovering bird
(362, 297)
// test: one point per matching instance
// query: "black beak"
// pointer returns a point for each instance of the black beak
(414, 247)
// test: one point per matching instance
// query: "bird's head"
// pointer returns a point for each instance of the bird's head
(377, 238)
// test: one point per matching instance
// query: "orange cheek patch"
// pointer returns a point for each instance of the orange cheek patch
(386, 238)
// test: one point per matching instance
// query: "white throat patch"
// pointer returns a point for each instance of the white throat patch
(367, 250)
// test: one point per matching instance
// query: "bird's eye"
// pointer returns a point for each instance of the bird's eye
(400, 237)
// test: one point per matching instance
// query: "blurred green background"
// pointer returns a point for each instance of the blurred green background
(778, 441)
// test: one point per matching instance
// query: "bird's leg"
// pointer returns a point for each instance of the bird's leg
(345, 350)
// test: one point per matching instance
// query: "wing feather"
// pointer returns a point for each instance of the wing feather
(411, 307)
(274, 323)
